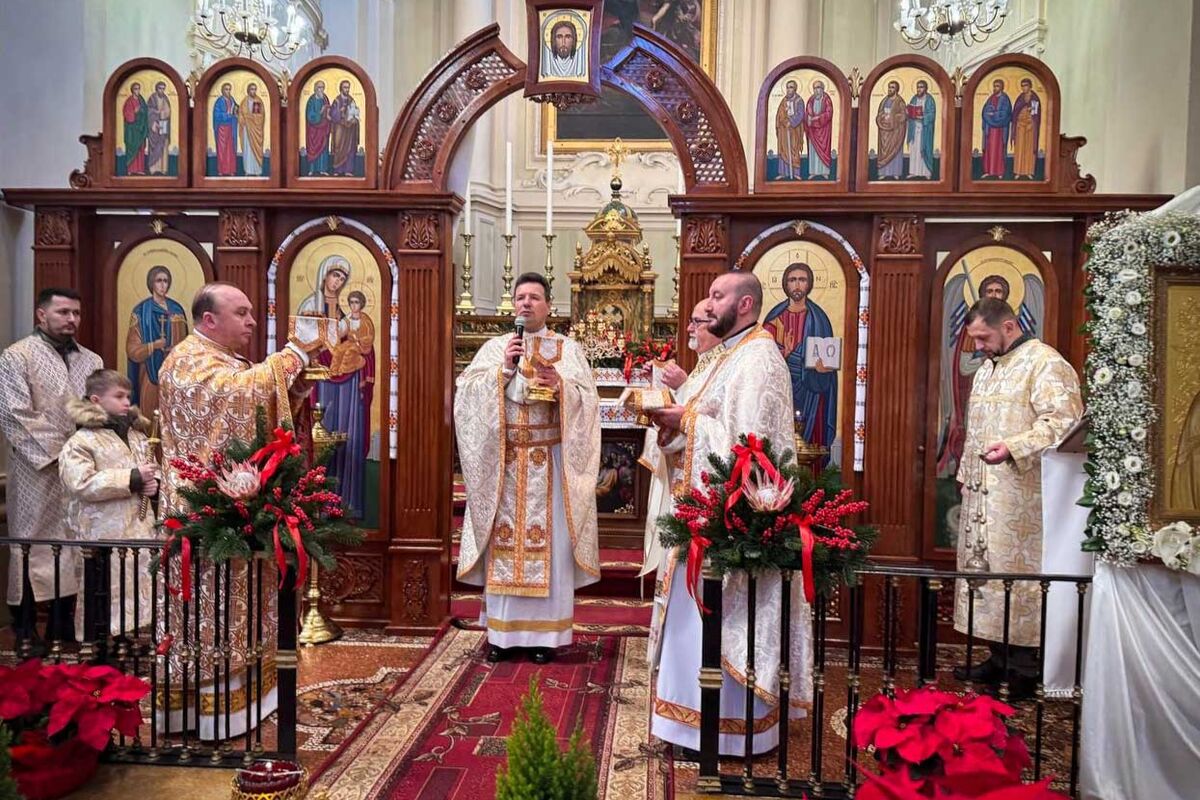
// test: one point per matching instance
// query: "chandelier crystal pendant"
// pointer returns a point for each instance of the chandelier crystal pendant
(250, 27)
(929, 24)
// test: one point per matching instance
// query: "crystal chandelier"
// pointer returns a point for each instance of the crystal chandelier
(929, 24)
(250, 27)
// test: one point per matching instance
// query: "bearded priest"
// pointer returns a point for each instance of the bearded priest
(747, 390)
(209, 394)
(527, 419)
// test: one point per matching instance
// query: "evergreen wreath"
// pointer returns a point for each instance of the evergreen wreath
(758, 511)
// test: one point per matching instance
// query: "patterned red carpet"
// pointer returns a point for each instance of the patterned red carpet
(440, 735)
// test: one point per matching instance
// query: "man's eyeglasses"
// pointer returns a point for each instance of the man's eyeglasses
(693, 322)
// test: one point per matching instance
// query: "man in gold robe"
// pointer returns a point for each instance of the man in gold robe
(1024, 399)
(682, 385)
(747, 389)
(209, 395)
(530, 461)
(38, 376)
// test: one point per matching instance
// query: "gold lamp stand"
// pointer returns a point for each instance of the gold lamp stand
(315, 627)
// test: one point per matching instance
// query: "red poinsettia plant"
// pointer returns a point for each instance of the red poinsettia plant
(252, 497)
(61, 717)
(931, 743)
(639, 353)
(757, 511)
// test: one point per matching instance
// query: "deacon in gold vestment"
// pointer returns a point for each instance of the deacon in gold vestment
(1024, 399)
(747, 389)
(209, 395)
(529, 533)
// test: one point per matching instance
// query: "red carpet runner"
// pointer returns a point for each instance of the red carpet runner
(441, 733)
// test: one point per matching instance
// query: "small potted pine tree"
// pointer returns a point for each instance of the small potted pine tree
(536, 768)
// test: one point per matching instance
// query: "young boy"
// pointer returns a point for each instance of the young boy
(106, 469)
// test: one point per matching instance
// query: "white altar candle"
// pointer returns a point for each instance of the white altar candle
(550, 187)
(679, 189)
(467, 212)
(508, 188)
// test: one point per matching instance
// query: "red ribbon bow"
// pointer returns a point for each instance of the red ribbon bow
(695, 565)
(293, 528)
(745, 456)
(274, 452)
(185, 558)
(807, 542)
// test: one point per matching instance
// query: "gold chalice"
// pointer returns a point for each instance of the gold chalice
(538, 391)
(313, 333)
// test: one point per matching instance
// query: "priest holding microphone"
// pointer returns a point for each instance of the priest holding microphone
(527, 421)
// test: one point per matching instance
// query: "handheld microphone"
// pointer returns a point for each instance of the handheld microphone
(520, 328)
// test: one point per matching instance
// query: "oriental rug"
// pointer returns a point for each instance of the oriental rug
(441, 734)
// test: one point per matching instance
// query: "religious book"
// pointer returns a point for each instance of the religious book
(827, 349)
(1076, 439)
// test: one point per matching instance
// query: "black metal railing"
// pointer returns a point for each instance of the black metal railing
(903, 650)
(209, 660)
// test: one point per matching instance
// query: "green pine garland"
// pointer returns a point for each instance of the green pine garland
(755, 542)
(536, 770)
(8, 786)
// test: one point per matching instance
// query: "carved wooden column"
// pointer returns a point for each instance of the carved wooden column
(241, 261)
(704, 256)
(892, 476)
(55, 240)
(419, 550)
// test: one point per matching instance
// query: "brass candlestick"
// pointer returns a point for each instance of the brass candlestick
(675, 279)
(807, 454)
(465, 305)
(315, 627)
(549, 268)
(506, 300)
(152, 443)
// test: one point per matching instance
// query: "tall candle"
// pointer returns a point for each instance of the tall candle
(680, 189)
(550, 187)
(508, 189)
(467, 212)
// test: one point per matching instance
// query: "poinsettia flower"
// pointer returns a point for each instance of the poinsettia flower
(22, 690)
(97, 699)
(927, 700)
(876, 714)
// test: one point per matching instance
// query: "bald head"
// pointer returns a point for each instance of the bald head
(734, 302)
(223, 313)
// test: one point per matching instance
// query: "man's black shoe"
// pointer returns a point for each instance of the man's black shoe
(541, 655)
(496, 654)
(988, 672)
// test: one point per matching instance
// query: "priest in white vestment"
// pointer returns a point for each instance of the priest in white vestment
(1024, 399)
(747, 389)
(530, 466)
(708, 346)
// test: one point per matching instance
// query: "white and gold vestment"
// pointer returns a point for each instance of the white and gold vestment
(1028, 399)
(209, 395)
(748, 389)
(530, 467)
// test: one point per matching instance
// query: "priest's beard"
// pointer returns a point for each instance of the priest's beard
(722, 326)
(693, 343)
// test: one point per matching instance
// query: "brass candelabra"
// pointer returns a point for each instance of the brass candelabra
(549, 268)
(315, 627)
(675, 279)
(466, 306)
(506, 300)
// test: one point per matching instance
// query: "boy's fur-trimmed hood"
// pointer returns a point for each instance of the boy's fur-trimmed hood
(86, 414)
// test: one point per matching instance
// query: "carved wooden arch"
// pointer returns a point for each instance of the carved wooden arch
(112, 271)
(947, 143)
(481, 70)
(1049, 142)
(858, 314)
(108, 166)
(368, 128)
(202, 126)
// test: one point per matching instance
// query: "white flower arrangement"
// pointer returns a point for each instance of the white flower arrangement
(1123, 252)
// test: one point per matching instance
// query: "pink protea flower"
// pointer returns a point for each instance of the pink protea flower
(765, 494)
(239, 480)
